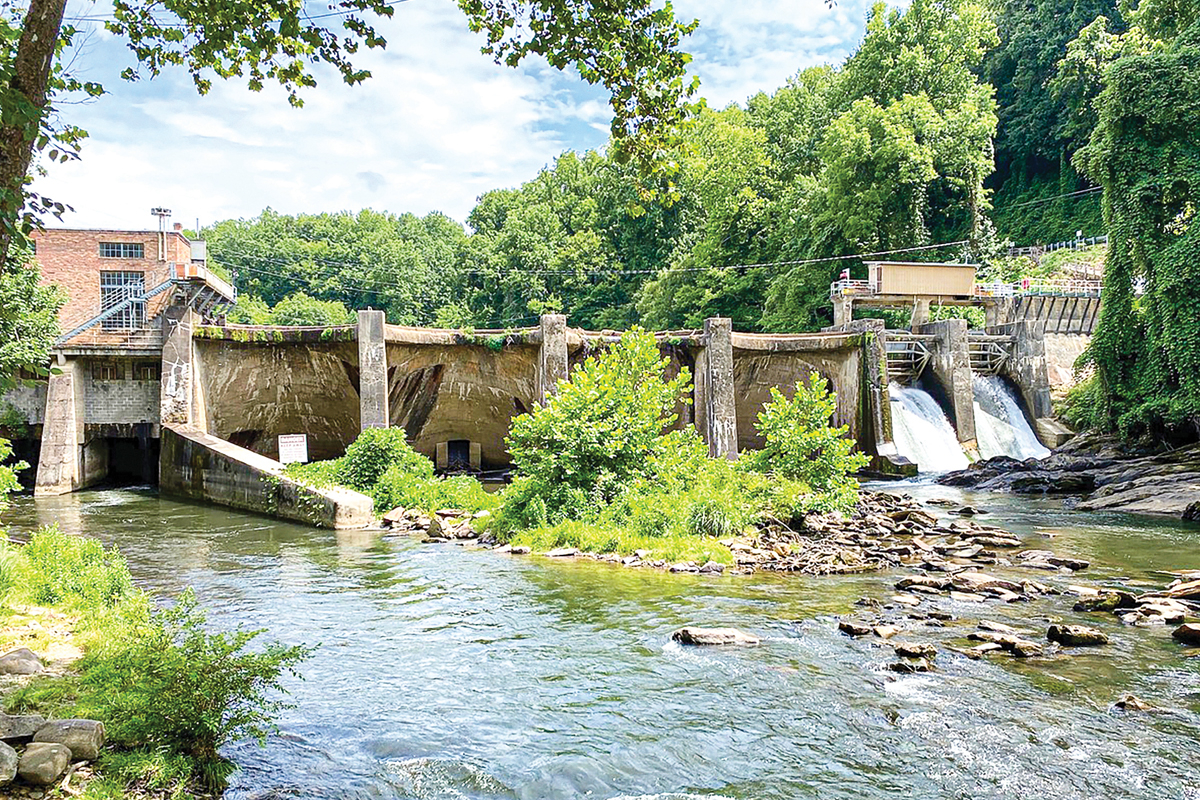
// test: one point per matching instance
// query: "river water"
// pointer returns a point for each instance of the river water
(445, 672)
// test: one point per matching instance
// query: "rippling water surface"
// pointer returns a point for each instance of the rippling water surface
(445, 672)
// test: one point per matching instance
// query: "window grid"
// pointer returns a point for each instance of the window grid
(122, 250)
(147, 371)
(107, 371)
(115, 289)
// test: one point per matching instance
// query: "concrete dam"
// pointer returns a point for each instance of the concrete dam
(200, 407)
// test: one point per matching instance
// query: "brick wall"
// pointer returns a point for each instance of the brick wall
(71, 259)
(29, 401)
(124, 399)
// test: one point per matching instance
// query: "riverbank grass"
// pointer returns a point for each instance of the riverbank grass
(169, 692)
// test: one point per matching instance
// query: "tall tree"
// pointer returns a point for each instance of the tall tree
(628, 46)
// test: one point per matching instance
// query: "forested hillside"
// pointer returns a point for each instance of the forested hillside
(953, 130)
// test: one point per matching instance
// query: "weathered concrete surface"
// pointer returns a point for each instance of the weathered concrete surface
(60, 465)
(1062, 351)
(951, 364)
(552, 354)
(443, 392)
(1059, 315)
(721, 418)
(203, 467)
(372, 371)
(1027, 366)
(181, 398)
(256, 391)
(763, 361)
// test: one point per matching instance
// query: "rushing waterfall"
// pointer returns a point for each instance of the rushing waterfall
(1000, 426)
(921, 431)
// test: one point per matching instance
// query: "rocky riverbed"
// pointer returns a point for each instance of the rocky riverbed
(1098, 474)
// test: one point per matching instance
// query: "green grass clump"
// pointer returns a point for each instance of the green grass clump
(168, 691)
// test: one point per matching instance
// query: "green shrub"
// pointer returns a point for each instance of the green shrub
(802, 445)
(604, 430)
(171, 684)
(1083, 406)
(8, 473)
(398, 487)
(74, 571)
(373, 452)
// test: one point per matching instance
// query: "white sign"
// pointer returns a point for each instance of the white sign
(293, 447)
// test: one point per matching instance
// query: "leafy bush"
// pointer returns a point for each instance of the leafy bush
(74, 571)
(1083, 406)
(399, 487)
(604, 430)
(172, 684)
(8, 473)
(374, 452)
(803, 446)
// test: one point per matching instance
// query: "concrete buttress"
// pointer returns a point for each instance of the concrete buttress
(372, 371)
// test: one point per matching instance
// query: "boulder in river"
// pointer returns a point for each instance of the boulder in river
(1106, 601)
(914, 650)
(84, 737)
(1076, 635)
(21, 661)
(1188, 634)
(43, 762)
(910, 666)
(1131, 702)
(852, 628)
(715, 636)
(8, 764)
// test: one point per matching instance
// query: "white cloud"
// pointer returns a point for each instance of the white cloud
(436, 125)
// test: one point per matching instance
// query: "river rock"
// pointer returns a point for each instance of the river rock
(914, 650)
(520, 550)
(1076, 635)
(1188, 634)
(43, 762)
(967, 597)
(562, 552)
(1132, 702)
(885, 631)
(852, 628)
(1189, 590)
(928, 581)
(21, 661)
(910, 666)
(1108, 601)
(1021, 648)
(1073, 564)
(20, 728)
(715, 636)
(84, 737)
(8, 764)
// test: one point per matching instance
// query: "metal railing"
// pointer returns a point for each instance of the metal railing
(845, 288)
(1072, 244)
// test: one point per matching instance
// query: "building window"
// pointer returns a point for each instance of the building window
(147, 371)
(107, 371)
(122, 250)
(124, 291)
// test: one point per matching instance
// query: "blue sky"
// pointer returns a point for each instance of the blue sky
(437, 124)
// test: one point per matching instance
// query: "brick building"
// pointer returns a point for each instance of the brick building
(98, 414)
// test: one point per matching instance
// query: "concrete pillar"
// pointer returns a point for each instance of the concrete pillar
(372, 371)
(1027, 366)
(720, 409)
(843, 311)
(179, 397)
(920, 312)
(60, 464)
(999, 311)
(875, 410)
(552, 357)
(951, 365)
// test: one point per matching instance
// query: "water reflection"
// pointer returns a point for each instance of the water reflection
(447, 672)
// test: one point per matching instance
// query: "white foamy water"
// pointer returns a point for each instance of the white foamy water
(922, 432)
(1000, 426)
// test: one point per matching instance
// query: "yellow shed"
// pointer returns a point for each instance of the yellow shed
(916, 278)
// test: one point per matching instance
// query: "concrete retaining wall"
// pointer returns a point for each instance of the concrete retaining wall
(203, 467)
